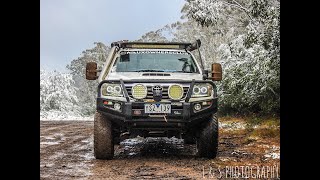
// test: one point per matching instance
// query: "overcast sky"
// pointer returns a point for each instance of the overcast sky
(67, 27)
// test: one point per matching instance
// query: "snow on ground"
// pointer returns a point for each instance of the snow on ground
(58, 116)
(273, 153)
(232, 125)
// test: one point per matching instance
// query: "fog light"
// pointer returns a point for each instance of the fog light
(175, 92)
(197, 107)
(117, 106)
(139, 91)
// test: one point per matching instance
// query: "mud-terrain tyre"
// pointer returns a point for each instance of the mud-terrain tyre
(207, 143)
(103, 139)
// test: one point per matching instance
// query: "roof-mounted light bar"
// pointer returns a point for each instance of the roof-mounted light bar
(158, 45)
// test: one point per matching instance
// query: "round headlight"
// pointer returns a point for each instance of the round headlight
(139, 91)
(196, 90)
(109, 89)
(117, 89)
(175, 92)
(204, 90)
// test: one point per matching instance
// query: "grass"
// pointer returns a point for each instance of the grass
(271, 122)
(256, 127)
(265, 133)
(263, 128)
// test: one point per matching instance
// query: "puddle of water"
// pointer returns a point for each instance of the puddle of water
(153, 146)
(50, 138)
(49, 143)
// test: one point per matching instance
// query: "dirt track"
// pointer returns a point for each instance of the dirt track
(66, 152)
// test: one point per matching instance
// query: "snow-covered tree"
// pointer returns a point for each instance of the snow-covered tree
(249, 51)
(68, 95)
(58, 94)
(86, 92)
(96, 54)
(250, 83)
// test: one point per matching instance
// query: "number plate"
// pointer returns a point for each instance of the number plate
(157, 108)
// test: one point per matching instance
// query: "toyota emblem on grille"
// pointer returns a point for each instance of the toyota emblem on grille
(157, 93)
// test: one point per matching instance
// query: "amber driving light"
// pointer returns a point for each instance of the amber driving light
(175, 92)
(139, 91)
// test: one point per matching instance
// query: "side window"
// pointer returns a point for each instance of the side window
(114, 67)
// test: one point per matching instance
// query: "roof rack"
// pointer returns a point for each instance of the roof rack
(158, 45)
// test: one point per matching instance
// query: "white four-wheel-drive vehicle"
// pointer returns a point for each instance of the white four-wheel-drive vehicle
(155, 89)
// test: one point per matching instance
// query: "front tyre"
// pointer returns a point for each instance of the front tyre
(207, 143)
(103, 138)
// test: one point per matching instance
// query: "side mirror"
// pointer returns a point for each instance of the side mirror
(91, 71)
(216, 72)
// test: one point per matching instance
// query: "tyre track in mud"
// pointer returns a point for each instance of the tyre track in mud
(72, 157)
(66, 152)
(59, 153)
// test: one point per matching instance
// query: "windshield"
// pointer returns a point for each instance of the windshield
(155, 61)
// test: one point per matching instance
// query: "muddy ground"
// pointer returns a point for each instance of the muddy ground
(245, 152)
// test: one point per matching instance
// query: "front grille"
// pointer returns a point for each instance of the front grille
(164, 91)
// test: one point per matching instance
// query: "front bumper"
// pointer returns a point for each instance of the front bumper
(182, 113)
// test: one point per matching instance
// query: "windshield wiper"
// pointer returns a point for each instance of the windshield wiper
(148, 70)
